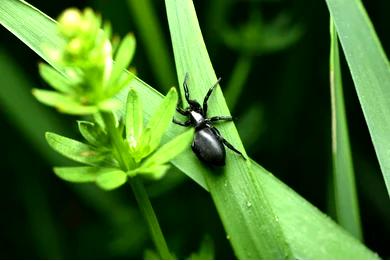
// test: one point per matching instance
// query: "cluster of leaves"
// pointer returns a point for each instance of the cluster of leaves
(87, 77)
(115, 149)
(110, 162)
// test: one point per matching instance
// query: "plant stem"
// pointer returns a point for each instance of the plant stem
(153, 42)
(138, 188)
(237, 80)
(150, 216)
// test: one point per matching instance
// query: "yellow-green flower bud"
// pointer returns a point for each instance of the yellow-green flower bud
(69, 22)
(74, 47)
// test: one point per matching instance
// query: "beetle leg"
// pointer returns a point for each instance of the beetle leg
(182, 111)
(220, 118)
(226, 143)
(185, 86)
(184, 124)
(206, 98)
(230, 146)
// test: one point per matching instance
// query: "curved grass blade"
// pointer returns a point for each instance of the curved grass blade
(370, 72)
(346, 202)
(150, 32)
(310, 234)
(253, 229)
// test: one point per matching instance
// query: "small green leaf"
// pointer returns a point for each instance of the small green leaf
(161, 118)
(171, 149)
(109, 179)
(74, 149)
(134, 119)
(124, 81)
(122, 58)
(55, 79)
(63, 103)
(77, 174)
(93, 133)
(153, 172)
(109, 105)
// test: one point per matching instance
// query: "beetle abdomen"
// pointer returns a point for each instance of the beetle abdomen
(208, 147)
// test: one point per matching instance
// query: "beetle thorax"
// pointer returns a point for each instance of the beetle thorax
(196, 118)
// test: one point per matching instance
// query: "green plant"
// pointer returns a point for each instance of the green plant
(116, 150)
(246, 196)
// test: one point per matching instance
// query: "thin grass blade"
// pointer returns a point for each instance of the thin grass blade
(150, 32)
(370, 72)
(346, 201)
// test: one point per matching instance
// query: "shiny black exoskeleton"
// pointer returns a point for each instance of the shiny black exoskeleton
(208, 144)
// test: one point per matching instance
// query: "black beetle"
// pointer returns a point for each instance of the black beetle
(208, 144)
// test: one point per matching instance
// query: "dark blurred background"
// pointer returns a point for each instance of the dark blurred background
(273, 58)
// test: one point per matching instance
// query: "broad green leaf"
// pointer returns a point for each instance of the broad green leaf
(122, 58)
(74, 149)
(62, 102)
(77, 174)
(134, 118)
(253, 230)
(162, 118)
(109, 179)
(310, 233)
(170, 150)
(55, 79)
(347, 210)
(370, 72)
(93, 133)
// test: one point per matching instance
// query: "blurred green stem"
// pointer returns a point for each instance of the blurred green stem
(150, 32)
(138, 188)
(346, 200)
(147, 211)
(237, 80)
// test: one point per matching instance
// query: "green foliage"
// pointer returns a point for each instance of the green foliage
(108, 171)
(205, 251)
(370, 72)
(260, 227)
(307, 232)
(89, 77)
(346, 202)
(87, 60)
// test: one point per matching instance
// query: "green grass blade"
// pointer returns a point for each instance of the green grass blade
(370, 72)
(309, 233)
(346, 201)
(253, 230)
(150, 32)
(237, 79)
(13, 12)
